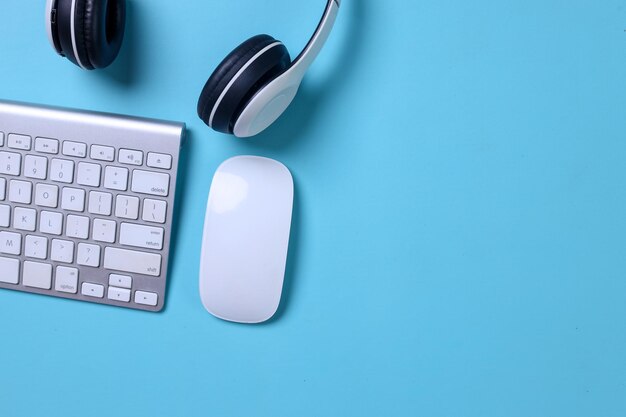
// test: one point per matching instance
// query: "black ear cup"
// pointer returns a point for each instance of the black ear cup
(246, 70)
(89, 32)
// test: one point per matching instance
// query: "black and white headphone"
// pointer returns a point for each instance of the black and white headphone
(255, 84)
(87, 32)
(247, 92)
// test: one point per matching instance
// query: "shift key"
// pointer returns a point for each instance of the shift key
(132, 261)
(153, 183)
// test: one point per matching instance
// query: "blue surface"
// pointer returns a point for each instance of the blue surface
(460, 225)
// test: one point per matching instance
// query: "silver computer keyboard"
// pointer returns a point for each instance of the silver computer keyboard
(86, 204)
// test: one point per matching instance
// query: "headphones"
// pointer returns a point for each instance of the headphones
(255, 84)
(247, 92)
(87, 32)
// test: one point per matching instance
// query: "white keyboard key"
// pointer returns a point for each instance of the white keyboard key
(20, 191)
(129, 157)
(21, 142)
(24, 219)
(73, 199)
(10, 163)
(102, 153)
(37, 275)
(127, 207)
(50, 223)
(35, 167)
(5, 215)
(154, 211)
(88, 174)
(1, 138)
(159, 160)
(146, 298)
(153, 183)
(141, 236)
(122, 281)
(77, 227)
(88, 255)
(119, 294)
(62, 170)
(103, 230)
(66, 280)
(3, 188)
(132, 261)
(10, 270)
(74, 149)
(36, 247)
(10, 243)
(92, 290)
(47, 195)
(116, 178)
(46, 145)
(100, 203)
(62, 251)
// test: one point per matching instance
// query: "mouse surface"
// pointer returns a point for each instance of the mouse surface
(246, 237)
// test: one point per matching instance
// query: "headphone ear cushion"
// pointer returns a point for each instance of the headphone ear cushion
(99, 30)
(238, 77)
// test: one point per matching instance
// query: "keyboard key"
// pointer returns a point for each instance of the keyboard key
(5, 215)
(50, 223)
(73, 199)
(127, 207)
(10, 243)
(153, 183)
(24, 219)
(100, 203)
(36, 247)
(46, 195)
(66, 279)
(132, 261)
(10, 270)
(128, 157)
(154, 211)
(88, 255)
(141, 236)
(102, 153)
(62, 170)
(45, 145)
(35, 167)
(116, 178)
(21, 142)
(103, 230)
(146, 298)
(122, 281)
(1, 138)
(20, 191)
(88, 174)
(62, 251)
(119, 294)
(74, 149)
(92, 290)
(159, 160)
(3, 188)
(37, 275)
(77, 227)
(10, 163)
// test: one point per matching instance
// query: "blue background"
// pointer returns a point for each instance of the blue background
(460, 222)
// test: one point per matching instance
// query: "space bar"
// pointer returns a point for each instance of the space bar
(132, 261)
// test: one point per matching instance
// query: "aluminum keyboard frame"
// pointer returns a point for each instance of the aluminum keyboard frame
(94, 128)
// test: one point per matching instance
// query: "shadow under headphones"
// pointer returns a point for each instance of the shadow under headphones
(247, 92)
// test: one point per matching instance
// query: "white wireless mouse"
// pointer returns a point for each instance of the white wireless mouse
(246, 237)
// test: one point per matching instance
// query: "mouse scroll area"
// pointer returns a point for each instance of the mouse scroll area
(246, 238)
